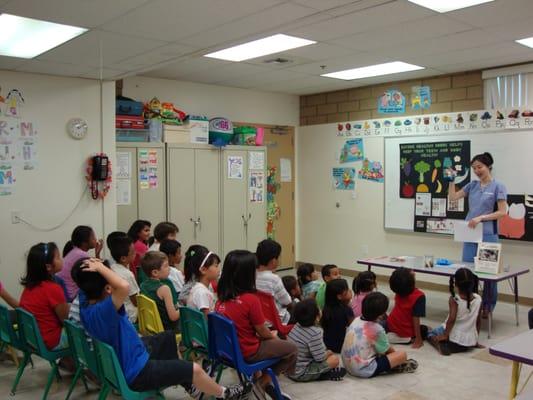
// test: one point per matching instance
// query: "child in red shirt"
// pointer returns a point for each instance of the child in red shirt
(44, 298)
(139, 233)
(238, 302)
(409, 306)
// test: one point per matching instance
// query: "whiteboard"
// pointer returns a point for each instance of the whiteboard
(513, 166)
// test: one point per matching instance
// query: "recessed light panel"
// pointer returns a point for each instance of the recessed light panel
(373, 70)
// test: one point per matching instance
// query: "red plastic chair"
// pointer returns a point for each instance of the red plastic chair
(270, 312)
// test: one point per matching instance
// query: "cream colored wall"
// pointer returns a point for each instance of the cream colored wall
(46, 195)
(217, 101)
(327, 234)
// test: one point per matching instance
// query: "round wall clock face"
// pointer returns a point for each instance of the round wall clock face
(77, 128)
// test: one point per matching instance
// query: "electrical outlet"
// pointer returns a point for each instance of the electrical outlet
(15, 217)
(364, 249)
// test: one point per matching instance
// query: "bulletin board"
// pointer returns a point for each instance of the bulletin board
(512, 152)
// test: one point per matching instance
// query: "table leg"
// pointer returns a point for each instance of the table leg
(516, 299)
(369, 267)
(490, 324)
(515, 376)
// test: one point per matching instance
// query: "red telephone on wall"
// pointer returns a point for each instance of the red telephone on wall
(100, 172)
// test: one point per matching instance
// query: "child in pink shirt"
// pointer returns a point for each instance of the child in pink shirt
(362, 285)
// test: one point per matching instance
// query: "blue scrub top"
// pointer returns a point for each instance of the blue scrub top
(483, 200)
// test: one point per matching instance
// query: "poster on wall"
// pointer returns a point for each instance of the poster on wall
(420, 98)
(352, 151)
(123, 165)
(152, 169)
(235, 167)
(343, 178)
(517, 224)
(123, 187)
(257, 186)
(391, 102)
(7, 179)
(285, 168)
(9, 131)
(27, 152)
(423, 167)
(371, 171)
(256, 160)
(144, 181)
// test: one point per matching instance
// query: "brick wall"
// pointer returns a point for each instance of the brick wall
(457, 92)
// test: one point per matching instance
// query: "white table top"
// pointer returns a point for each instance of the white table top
(518, 348)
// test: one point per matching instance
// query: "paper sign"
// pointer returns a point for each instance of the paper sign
(235, 167)
(256, 160)
(123, 165)
(343, 178)
(256, 185)
(285, 169)
(438, 207)
(463, 233)
(7, 179)
(423, 204)
(123, 187)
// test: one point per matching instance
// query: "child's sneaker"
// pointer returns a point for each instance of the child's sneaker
(409, 366)
(335, 374)
(238, 391)
(193, 391)
(269, 389)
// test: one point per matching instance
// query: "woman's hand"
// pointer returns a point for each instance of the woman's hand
(474, 221)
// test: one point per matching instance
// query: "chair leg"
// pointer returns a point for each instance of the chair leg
(51, 375)
(220, 370)
(275, 383)
(79, 371)
(104, 391)
(20, 372)
(13, 354)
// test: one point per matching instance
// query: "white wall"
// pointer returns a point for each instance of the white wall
(46, 195)
(327, 234)
(217, 101)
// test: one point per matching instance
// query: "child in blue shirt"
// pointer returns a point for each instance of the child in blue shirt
(148, 363)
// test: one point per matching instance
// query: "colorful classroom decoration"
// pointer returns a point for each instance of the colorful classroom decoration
(273, 209)
(352, 151)
(371, 171)
(344, 178)
(439, 124)
(518, 222)
(391, 102)
(420, 98)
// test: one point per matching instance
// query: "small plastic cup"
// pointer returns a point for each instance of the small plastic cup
(428, 261)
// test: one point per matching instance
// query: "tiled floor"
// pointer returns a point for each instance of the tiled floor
(462, 376)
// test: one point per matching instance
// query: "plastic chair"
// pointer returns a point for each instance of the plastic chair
(113, 377)
(31, 338)
(148, 317)
(193, 331)
(224, 350)
(271, 313)
(83, 353)
(9, 339)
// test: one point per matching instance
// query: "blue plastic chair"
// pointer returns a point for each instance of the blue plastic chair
(224, 349)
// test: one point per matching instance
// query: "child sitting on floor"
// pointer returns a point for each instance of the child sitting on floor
(308, 280)
(314, 361)
(362, 285)
(329, 272)
(337, 314)
(409, 307)
(460, 331)
(366, 351)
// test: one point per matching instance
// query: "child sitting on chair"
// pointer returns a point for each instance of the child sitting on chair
(148, 363)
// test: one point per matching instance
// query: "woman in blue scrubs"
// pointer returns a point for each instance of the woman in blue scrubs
(487, 202)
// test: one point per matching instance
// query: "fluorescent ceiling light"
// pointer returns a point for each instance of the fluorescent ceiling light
(526, 41)
(262, 47)
(373, 70)
(27, 38)
(444, 6)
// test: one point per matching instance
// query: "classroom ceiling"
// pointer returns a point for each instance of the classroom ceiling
(167, 39)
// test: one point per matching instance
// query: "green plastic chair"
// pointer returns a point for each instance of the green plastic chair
(83, 353)
(113, 377)
(10, 338)
(31, 338)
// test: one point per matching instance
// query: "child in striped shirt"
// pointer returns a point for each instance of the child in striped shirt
(314, 361)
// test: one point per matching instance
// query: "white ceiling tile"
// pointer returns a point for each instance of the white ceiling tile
(360, 59)
(53, 68)
(467, 65)
(494, 13)
(319, 51)
(519, 29)
(11, 62)
(177, 19)
(391, 13)
(251, 27)
(85, 13)
(403, 34)
(154, 57)
(106, 73)
(265, 78)
(324, 4)
(85, 49)
(233, 71)
(186, 67)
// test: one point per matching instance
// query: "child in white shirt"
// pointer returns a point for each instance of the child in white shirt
(172, 248)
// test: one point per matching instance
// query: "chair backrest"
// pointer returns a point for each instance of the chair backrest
(110, 368)
(29, 332)
(270, 311)
(193, 328)
(7, 332)
(81, 347)
(223, 342)
(149, 319)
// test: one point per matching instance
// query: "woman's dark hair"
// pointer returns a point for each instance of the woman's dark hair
(169, 247)
(334, 288)
(80, 236)
(238, 275)
(485, 158)
(136, 228)
(290, 283)
(402, 282)
(304, 272)
(467, 283)
(267, 250)
(92, 283)
(38, 256)
(195, 257)
(363, 282)
(163, 229)
(306, 312)
(374, 305)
